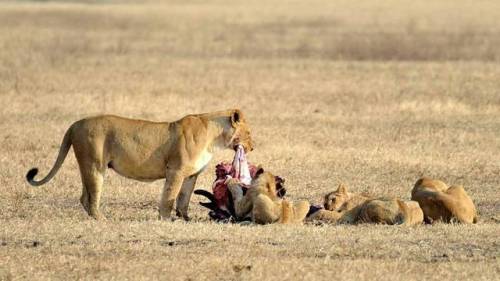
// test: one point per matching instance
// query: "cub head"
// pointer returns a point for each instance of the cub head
(265, 182)
(333, 201)
(238, 132)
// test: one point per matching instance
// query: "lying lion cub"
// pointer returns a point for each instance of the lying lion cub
(442, 203)
(262, 204)
(342, 206)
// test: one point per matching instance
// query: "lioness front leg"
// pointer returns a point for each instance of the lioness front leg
(173, 183)
(184, 196)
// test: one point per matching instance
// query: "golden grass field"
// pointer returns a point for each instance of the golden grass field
(373, 95)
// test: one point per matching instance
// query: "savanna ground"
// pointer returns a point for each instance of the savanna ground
(374, 95)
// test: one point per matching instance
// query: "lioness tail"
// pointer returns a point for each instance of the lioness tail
(63, 151)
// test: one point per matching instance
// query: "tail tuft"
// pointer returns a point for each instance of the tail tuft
(31, 175)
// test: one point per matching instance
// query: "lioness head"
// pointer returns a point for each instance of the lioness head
(334, 200)
(238, 133)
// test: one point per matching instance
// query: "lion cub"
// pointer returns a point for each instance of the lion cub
(262, 204)
(442, 203)
(342, 206)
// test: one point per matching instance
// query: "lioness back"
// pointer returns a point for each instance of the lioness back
(133, 148)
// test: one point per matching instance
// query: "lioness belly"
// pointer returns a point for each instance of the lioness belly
(139, 152)
(145, 171)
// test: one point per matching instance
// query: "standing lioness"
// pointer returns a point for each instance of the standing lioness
(146, 151)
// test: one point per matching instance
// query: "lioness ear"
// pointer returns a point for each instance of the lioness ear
(236, 117)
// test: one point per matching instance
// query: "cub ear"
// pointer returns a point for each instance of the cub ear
(259, 172)
(342, 188)
(236, 117)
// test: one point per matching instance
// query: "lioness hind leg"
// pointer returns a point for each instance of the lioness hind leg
(92, 180)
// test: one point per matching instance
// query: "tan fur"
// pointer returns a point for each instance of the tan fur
(413, 214)
(342, 206)
(440, 203)
(325, 216)
(342, 200)
(147, 151)
(262, 203)
(391, 211)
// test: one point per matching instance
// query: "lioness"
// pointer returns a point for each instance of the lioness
(442, 203)
(147, 151)
(341, 206)
(262, 203)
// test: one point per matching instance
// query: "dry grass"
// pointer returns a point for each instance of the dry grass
(373, 95)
